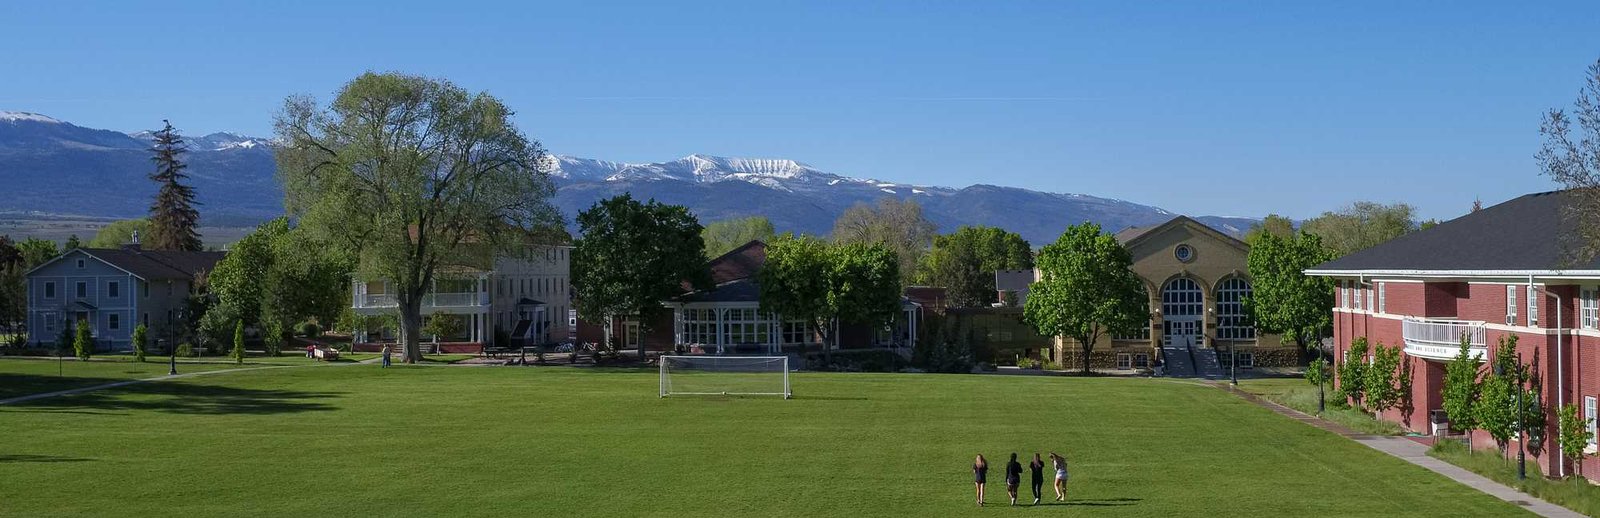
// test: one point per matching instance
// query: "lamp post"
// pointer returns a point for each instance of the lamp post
(172, 348)
(1233, 364)
(1522, 456)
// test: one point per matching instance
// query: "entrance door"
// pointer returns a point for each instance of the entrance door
(1181, 333)
(630, 334)
(1182, 307)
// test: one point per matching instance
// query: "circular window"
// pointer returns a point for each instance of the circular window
(1184, 253)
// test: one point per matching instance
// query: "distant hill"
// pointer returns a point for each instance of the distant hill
(55, 167)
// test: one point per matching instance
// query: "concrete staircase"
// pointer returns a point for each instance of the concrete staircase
(1206, 364)
(1179, 363)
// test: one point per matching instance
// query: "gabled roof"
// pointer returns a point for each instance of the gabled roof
(149, 264)
(738, 290)
(1133, 235)
(739, 263)
(1525, 234)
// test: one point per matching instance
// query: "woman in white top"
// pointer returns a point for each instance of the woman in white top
(1060, 463)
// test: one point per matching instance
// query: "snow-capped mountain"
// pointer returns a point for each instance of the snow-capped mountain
(53, 166)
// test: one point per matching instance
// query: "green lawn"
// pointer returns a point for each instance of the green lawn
(1575, 493)
(20, 377)
(357, 440)
(1300, 395)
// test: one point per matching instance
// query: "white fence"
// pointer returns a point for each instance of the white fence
(1441, 339)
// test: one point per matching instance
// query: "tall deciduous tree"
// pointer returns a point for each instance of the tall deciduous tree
(1569, 156)
(726, 235)
(1283, 299)
(964, 262)
(173, 217)
(1273, 224)
(794, 283)
(1086, 289)
(897, 224)
(805, 278)
(119, 233)
(37, 251)
(1362, 225)
(412, 175)
(631, 257)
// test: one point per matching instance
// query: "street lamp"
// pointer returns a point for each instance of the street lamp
(172, 348)
(1522, 455)
(1233, 364)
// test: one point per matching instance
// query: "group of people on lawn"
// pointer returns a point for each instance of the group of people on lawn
(980, 475)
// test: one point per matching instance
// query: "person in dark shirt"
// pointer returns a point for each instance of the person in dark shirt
(1013, 478)
(1037, 469)
(980, 474)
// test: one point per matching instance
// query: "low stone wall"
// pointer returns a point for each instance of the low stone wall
(1277, 356)
(1072, 360)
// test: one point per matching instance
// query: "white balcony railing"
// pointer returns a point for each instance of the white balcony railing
(1441, 339)
(378, 301)
(431, 300)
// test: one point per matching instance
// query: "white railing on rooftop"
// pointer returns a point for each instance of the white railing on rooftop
(1441, 339)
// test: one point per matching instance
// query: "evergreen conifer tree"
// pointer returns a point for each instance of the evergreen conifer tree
(173, 217)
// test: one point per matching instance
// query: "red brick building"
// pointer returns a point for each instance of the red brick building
(1506, 269)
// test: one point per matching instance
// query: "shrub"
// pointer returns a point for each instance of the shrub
(1052, 365)
(310, 329)
(1028, 363)
(83, 345)
(140, 342)
(186, 350)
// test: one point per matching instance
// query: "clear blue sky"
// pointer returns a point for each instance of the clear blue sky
(1229, 108)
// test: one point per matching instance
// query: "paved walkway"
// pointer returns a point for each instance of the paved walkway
(1417, 453)
(104, 386)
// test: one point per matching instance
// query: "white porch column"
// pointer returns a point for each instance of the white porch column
(720, 329)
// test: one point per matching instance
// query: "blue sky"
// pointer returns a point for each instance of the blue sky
(1228, 108)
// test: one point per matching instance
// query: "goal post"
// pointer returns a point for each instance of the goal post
(725, 376)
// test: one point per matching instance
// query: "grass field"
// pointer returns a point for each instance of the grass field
(1300, 395)
(356, 440)
(1575, 493)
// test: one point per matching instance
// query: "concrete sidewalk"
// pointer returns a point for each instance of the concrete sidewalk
(1416, 453)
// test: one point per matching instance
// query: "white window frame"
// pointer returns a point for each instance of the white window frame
(1383, 297)
(1344, 294)
(1232, 319)
(1511, 304)
(1589, 414)
(1533, 307)
(1247, 360)
(1141, 361)
(49, 321)
(1589, 308)
(1124, 361)
(1355, 291)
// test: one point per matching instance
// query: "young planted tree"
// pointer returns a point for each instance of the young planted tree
(725, 235)
(1086, 290)
(1461, 388)
(897, 224)
(1496, 411)
(238, 342)
(173, 218)
(964, 263)
(631, 257)
(442, 325)
(83, 344)
(412, 175)
(1380, 387)
(1353, 372)
(141, 342)
(1573, 440)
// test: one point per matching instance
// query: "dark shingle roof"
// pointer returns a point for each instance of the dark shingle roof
(738, 263)
(1523, 234)
(737, 290)
(157, 264)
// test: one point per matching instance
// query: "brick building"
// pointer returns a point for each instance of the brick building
(1506, 269)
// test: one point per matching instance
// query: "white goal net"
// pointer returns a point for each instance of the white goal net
(725, 376)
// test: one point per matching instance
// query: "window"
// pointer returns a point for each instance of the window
(1589, 306)
(80, 264)
(1372, 299)
(744, 326)
(113, 289)
(1533, 307)
(1141, 361)
(1233, 322)
(1589, 414)
(50, 290)
(700, 326)
(83, 290)
(1511, 305)
(1344, 294)
(797, 332)
(1247, 360)
(1355, 291)
(1383, 297)
(1124, 361)
(49, 321)
(1182, 297)
(113, 321)
(147, 320)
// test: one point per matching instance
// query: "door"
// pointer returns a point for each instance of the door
(630, 334)
(1182, 307)
(1181, 333)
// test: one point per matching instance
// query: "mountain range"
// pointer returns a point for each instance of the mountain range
(55, 167)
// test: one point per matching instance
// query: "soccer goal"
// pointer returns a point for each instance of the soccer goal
(725, 376)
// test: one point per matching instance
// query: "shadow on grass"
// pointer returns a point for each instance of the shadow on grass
(43, 459)
(1100, 502)
(172, 397)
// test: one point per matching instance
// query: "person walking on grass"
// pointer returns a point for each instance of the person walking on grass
(1013, 478)
(1036, 469)
(980, 474)
(1061, 475)
(386, 352)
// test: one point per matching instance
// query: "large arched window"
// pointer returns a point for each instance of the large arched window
(1233, 323)
(1182, 298)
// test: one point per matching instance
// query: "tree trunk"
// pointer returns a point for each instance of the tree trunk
(1088, 347)
(411, 328)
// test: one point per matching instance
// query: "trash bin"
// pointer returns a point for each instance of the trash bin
(1440, 422)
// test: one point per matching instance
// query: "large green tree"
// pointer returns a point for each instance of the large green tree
(1086, 289)
(173, 217)
(412, 175)
(1361, 225)
(1273, 224)
(725, 235)
(894, 223)
(277, 275)
(807, 279)
(632, 256)
(1571, 156)
(119, 233)
(37, 251)
(964, 263)
(1283, 299)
